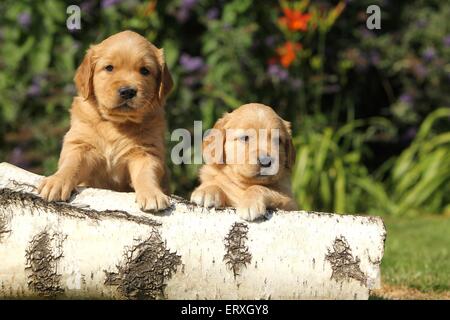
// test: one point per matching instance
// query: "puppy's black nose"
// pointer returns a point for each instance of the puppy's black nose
(264, 161)
(127, 92)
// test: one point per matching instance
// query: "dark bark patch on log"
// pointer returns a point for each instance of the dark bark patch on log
(237, 255)
(146, 268)
(4, 226)
(9, 198)
(343, 264)
(42, 256)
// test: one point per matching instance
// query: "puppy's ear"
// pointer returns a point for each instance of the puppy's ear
(289, 146)
(213, 147)
(166, 82)
(85, 74)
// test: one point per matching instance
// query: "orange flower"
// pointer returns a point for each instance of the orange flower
(150, 7)
(288, 52)
(294, 19)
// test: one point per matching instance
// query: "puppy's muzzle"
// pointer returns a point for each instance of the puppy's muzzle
(127, 93)
(265, 161)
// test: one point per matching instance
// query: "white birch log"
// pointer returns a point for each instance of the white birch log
(100, 245)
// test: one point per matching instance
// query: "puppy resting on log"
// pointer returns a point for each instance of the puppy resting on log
(249, 160)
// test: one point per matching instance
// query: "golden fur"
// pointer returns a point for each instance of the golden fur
(113, 142)
(240, 184)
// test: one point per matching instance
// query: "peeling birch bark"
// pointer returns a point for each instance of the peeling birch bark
(100, 245)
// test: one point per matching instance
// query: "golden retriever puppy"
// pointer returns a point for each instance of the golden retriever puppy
(248, 157)
(116, 136)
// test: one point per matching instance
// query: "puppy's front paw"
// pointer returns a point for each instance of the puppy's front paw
(152, 200)
(251, 208)
(55, 188)
(209, 196)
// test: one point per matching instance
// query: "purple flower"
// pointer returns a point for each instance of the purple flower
(184, 11)
(70, 89)
(429, 54)
(226, 26)
(24, 19)
(190, 63)
(422, 23)
(296, 83)
(212, 14)
(270, 40)
(34, 90)
(191, 81)
(109, 3)
(374, 58)
(366, 33)
(87, 6)
(420, 71)
(182, 15)
(17, 157)
(333, 88)
(409, 134)
(276, 72)
(446, 41)
(406, 98)
(76, 45)
(188, 4)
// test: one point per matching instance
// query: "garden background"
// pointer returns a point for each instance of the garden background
(370, 108)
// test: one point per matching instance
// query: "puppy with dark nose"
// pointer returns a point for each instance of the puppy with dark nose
(249, 156)
(116, 137)
(127, 93)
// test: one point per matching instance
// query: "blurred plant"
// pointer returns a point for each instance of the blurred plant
(417, 181)
(355, 97)
(330, 161)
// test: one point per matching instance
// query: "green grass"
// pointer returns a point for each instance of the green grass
(417, 253)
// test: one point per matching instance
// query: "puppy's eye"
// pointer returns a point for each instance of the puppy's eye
(109, 68)
(244, 138)
(144, 71)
